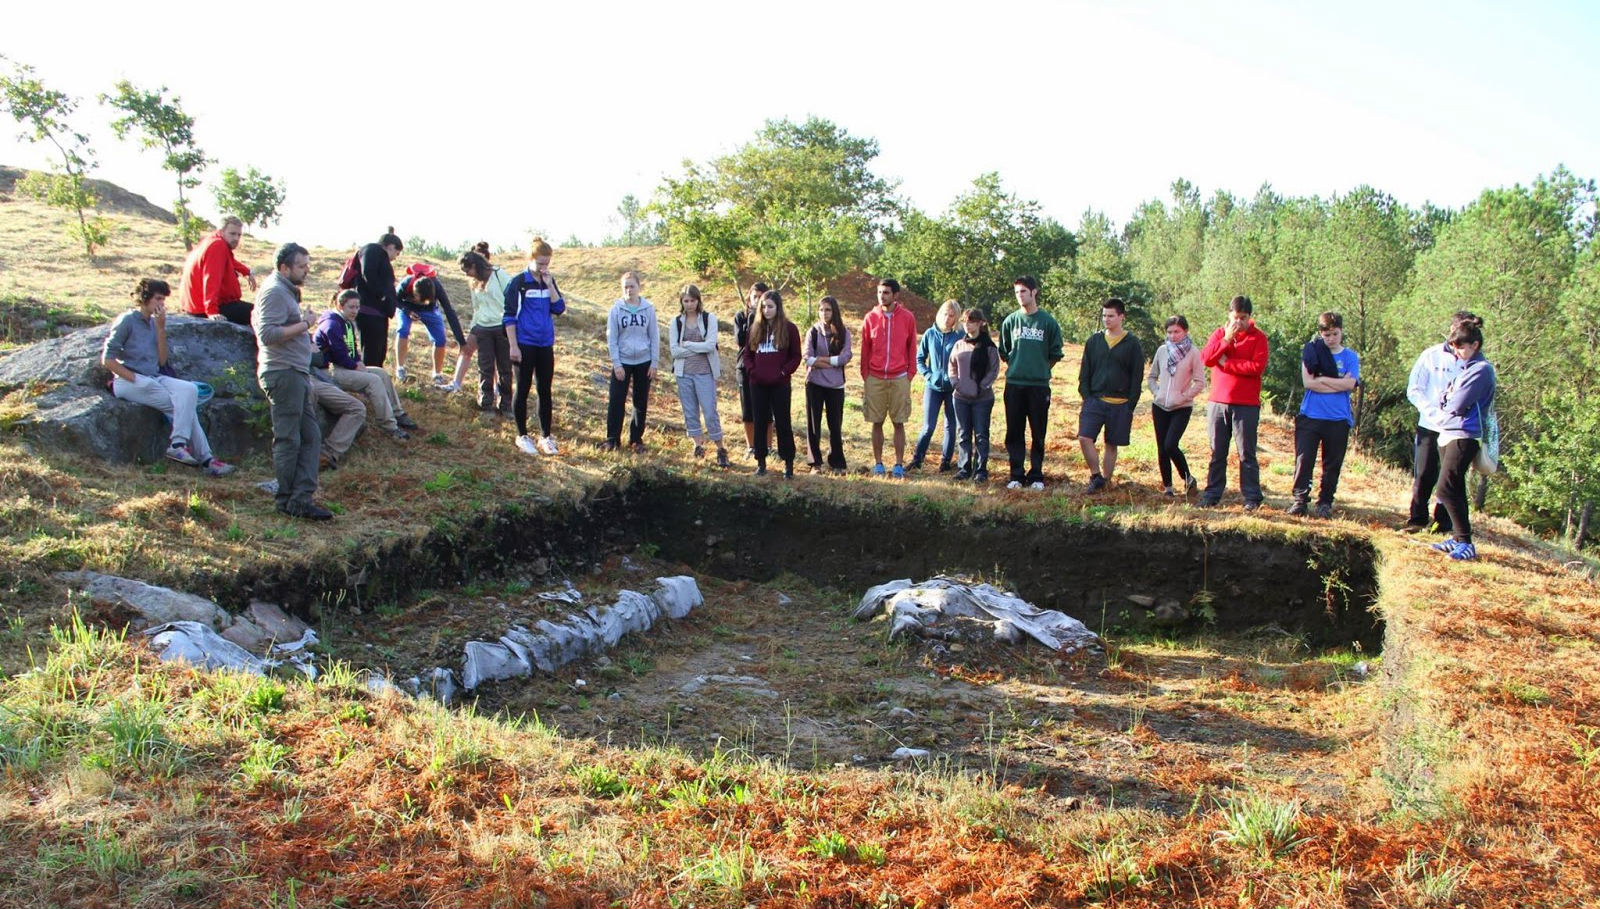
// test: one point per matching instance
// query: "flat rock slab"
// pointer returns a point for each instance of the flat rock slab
(146, 604)
(951, 609)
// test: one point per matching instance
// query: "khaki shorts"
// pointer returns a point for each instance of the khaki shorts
(889, 398)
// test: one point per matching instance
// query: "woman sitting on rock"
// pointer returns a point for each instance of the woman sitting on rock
(135, 352)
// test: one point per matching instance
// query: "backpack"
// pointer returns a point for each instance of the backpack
(351, 272)
(1488, 460)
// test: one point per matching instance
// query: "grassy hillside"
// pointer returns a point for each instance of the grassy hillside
(1461, 772)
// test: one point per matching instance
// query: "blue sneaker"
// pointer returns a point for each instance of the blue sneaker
(1464, 552)
(877, 470)
(1445, 546)
(899, 473)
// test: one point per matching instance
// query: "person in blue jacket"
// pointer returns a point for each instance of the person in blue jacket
(1329, 371)
(1464, 408)
(532, 302)
(933, 361)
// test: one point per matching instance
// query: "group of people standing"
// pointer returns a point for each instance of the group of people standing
(302, 365)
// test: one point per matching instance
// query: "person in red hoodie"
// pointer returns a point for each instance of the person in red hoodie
(210, 285)
(1237, 356)
(888, 358)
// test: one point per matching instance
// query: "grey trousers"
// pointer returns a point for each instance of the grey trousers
(295, 436)
(1235, 424)
(349, 416)
(173, 397)
(378, 386)
(698, 395)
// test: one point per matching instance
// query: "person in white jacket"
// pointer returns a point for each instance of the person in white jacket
(692, 341)
(1175, 379)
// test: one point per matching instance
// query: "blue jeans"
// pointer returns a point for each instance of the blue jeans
(972, 425)
(934, 403)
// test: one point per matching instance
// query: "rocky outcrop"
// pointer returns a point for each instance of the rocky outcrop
(75, 411)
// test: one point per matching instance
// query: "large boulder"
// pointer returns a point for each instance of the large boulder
(77, 412)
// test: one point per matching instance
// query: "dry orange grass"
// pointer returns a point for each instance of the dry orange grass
(1480, 769)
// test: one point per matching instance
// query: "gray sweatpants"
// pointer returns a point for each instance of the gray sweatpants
(173, 397)
(378, 386)
(296, 437)
(698, 395)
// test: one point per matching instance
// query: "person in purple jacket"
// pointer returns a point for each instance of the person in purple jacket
(532, 302)
(770, 357)
(1465, 408)
(827, 351)
(336, 339)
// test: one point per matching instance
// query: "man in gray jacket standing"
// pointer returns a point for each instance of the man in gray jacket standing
(283, 367)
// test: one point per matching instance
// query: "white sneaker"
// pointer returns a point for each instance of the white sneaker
(450, 388)
(1037, 485)
(1014, 484)
(547, 445)
(181, 453)
(439, 381)
(399, 373)
(525, 443)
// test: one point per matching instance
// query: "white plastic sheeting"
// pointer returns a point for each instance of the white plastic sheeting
(547, 646)
(199, 645)
(938, 607)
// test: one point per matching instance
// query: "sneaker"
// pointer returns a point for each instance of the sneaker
(547, 445)
(181, 453)
(722, 458)
(914, 465)
(1252, 506)
(947, 466)
(699, 451)
(638, 447)
(310, 511)
(1446, 546)
(963, 475)
(750, 452)
(450, 388)
(439, 381)
(1413, 529)
(981, 476)
(1096, 483)
(1191, 485)
(877, 469)
(216, 468)
(399, 373)
(526, 446)
(608, 445)
(899, 472)
(1169, 492)
(1297, 509)
(398, 433)
(1464, 552)
(788, 470)
(1037, 486)
(761, 470)
(327, 461)
(1323, 510)
(404, 421)
(1014, 484)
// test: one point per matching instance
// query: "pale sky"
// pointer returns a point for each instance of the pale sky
(482, 120)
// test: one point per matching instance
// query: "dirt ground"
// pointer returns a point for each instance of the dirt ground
(780, 671)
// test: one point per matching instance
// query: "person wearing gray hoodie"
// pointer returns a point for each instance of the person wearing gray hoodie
(633, 339)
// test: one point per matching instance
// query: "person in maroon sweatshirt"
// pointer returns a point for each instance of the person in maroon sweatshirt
(770, 357)
(1237, 356)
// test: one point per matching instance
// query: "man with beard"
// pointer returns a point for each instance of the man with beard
(283, 367)
(210, 286)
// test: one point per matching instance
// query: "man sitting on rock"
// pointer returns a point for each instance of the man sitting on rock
(135, 351)
(211, 274)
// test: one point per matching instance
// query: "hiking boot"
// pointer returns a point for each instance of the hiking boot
(327, 461)
(946, 466)
(1324, 510)
(311, 511)
(1204, 502)
(1411, 528)
(1096, 483)
(1297, 509)
(916, 464)
(608, 445)
(1252, 506)
(981, 476)
(699, 451)
(398, 433)
(638, 447)
(526, 446)
(181, 453)
(404, 421)
(216, 468)
(963, 475)
(722, 457)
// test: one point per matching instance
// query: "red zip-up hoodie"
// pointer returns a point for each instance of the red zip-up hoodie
(888, 343)
(210, 277)
(1236, 368)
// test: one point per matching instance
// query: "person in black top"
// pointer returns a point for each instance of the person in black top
(375, 284)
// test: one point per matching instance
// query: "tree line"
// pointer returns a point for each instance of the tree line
(151, 118)
(800, 204)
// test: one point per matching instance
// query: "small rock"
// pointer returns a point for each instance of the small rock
(1142, 601)
(909, 754)
(1361, 668)
(902, 713)
(564, 708)
(579, 683)
(784, 599)
(614, 696)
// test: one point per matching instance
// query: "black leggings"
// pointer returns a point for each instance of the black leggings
(637, 375)
(1455, 458)
(770, 404)
(374, 332)
(537, 363)
(825, 403)
(1170, 425)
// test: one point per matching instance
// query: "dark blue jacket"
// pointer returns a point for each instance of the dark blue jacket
(530, 306)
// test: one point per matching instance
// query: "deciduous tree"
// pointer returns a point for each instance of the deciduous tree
(162, 124)
(45, 113)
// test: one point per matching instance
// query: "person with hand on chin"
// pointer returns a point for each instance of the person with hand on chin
(1237, 356)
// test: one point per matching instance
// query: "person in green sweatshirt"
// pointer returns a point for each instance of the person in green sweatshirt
(1109, 377)
(1030, 344)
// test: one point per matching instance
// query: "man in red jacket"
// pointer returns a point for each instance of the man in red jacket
(1237, 355)
(888, 357)
(210, 287)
